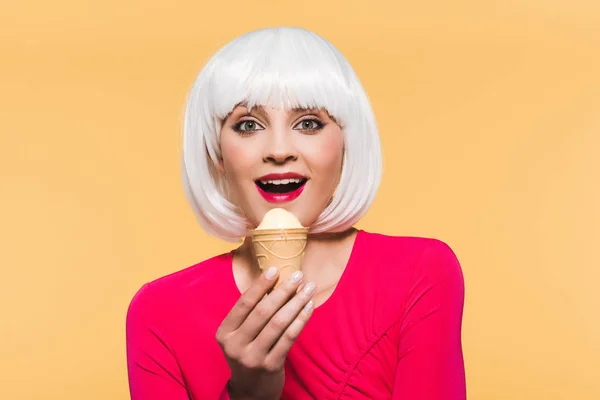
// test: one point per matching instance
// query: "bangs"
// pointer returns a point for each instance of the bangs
(272, 70)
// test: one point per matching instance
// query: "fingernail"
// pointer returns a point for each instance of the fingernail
(309, 288)
(309, 307)
(271, 272)
(296, 276)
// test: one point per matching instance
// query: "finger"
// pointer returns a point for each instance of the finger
(248, 301)
(262, 313)
(280, 350)
(301, 286)
(283, 319)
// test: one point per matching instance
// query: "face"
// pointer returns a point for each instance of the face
(277, 158)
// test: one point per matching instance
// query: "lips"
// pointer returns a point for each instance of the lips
(278, 188)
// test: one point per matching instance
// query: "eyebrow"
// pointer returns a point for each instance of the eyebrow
(301, 109)
(260, 109)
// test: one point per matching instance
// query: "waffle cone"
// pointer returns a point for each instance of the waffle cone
(280, 248)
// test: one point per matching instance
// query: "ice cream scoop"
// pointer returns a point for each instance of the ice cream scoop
(279, 218)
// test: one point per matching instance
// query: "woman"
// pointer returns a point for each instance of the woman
(277, 118)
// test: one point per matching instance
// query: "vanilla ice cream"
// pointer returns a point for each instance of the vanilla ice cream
(279, 218)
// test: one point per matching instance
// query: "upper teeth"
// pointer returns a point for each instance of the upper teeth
(281, 181)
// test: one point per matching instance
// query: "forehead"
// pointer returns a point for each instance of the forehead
(263, 108)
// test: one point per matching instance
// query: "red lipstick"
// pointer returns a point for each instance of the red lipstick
(286, 175)
(272, 197)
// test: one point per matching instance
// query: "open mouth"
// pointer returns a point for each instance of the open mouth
(281, 186)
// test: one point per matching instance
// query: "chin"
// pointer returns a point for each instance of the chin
(307, 220)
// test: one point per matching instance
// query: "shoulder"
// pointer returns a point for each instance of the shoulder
(398, 272)
(410, 258)
(185, 286)
(412, 248)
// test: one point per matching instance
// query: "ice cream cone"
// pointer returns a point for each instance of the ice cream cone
(280, 248)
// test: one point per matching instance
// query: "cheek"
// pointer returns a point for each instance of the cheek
(327, 160)
(237, 158)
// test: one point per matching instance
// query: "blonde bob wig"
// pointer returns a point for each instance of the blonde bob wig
(284, 67)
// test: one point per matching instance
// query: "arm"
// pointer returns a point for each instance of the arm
(153, 371)
(431, 365)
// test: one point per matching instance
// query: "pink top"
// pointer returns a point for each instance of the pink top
(390, 330)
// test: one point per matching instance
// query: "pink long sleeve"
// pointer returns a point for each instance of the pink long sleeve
(154, 373)
(390, 330)
(430, 358)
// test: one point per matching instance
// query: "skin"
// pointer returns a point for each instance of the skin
(260, 329)
(274, 141)
(278, 141)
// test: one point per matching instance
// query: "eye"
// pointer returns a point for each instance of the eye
(309, 125)
(247, 126)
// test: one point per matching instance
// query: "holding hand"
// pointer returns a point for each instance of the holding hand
(259, 331)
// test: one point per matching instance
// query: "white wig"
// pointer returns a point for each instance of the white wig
(284, 68)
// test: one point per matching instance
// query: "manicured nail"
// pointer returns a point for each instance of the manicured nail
(271, 273)
(309, 307)
(296, 276)
(309, 288)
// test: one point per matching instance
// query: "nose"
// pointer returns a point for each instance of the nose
(280, 147)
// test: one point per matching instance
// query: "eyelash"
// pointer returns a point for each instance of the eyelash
(238, 126)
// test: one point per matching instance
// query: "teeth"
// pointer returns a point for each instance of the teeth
(281, 181)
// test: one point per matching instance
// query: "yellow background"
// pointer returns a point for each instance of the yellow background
(490, 122)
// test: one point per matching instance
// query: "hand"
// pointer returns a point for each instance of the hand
(259, 331)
